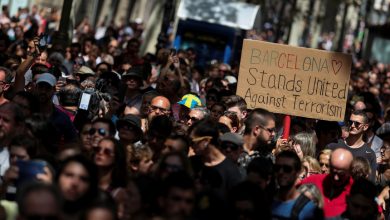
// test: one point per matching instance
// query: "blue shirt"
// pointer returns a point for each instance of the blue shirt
(282, 210)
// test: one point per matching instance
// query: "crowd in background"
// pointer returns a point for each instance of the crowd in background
(114, 134)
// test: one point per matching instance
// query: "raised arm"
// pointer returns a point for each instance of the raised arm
(32, 53)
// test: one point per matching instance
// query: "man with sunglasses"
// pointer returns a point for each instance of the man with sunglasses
(159, 105)
(220, 172)
(289, 203)
(358, 125)
(101, 128)
(196, 114)
(258, 135)
(336, 185)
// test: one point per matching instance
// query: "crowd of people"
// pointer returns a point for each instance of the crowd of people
(99, 131)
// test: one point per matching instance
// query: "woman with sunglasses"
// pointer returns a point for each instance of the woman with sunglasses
(110, 158)
(323, 159)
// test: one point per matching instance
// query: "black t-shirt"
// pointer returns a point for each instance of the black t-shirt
(364, 151)
(229, 172)
(221, 177)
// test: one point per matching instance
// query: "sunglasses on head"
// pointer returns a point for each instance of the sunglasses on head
(103, 150)
(285, 168)
(101, 131)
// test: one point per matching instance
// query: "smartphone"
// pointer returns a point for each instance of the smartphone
(84, 101)
(28, 170)
(43, 42)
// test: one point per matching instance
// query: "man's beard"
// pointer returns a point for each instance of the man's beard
(265, 147)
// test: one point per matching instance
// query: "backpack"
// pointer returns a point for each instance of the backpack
(302, 200)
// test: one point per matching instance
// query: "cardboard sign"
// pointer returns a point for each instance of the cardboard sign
(294, 81)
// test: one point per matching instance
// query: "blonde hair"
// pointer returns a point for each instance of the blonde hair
(325, 151)
(313, 163)
(137, 152)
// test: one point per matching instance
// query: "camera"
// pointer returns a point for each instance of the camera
(85, 99)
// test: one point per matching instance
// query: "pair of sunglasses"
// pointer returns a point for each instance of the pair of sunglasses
(105, 151)
(192, 118)
(355, 123)
(100, 131)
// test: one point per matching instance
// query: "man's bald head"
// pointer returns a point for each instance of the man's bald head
(159, 105)
(341, 158)
(340, 163)
(161, 102)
